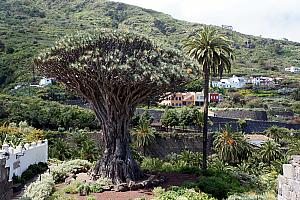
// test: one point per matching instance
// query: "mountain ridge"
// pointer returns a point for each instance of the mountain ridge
(28, 26)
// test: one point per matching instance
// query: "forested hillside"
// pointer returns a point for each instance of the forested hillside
(28, 26)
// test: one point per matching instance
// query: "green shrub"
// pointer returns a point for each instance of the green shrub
(96, 188)
(218, 184)
(59, 172)
(40, 189)
(72, 187)
(253, 196)
(177, 193)
(91, 197)
(84, 189)
(151, 164)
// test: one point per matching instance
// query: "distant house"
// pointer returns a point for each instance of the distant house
(292, 69)
(228, 27)
(45, 82)
(173, 100)
(233, 82)
(189, 99)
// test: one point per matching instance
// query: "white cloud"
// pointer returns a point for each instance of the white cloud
(269, 18)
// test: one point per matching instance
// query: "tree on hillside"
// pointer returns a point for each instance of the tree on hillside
(214, 54)
(115, 71)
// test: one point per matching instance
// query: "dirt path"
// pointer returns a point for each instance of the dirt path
(129, 195)
(172, 179)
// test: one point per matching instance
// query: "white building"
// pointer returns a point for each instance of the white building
(233, 82)
(292, 69)
(20, 158)
(261, 81)
(45, 82)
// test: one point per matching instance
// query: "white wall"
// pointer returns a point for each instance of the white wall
(289, 182)
(31, 154)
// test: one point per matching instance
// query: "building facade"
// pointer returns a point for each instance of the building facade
(189, 99)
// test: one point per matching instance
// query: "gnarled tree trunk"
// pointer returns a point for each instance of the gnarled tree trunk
(116, 162)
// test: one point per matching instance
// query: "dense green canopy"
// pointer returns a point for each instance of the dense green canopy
(113, 58)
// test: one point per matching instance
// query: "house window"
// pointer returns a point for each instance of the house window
(180, 104)
(179, 98)
(176, 104)
(176, 98)
(172, 104)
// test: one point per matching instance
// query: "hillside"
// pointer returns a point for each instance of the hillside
(28, 26)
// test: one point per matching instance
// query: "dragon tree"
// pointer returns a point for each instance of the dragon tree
(115, 71)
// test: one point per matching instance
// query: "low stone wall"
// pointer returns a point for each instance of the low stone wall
(6, 191)
(289, 182)
(167, 143)
(219, 123)
(242, 114)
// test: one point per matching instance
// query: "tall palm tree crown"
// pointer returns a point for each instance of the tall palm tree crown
(214, 54)
(211, 49)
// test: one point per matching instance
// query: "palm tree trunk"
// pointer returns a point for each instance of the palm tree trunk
(205, 113)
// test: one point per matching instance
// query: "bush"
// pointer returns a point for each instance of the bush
(253, 196)
(186, 162)
(40, 190)
(218, 184)
(84, 189)
(255, 103)
(91, 197)
(30, 172)
(96, 188)
(151, 164)
(72, 187)
(59, 172)
(177, 193)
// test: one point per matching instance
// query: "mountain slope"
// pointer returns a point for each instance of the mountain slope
(28, 26)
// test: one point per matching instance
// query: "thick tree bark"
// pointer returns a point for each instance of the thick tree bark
(116, 162)
(205, 113)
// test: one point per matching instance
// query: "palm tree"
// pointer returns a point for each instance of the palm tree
(270, 151)
(275, 133)
(214, 54)
(232, 147)
(143, 134)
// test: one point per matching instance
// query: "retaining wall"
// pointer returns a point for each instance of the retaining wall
(253, 126)
(289, 182)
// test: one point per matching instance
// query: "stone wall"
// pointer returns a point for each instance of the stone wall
(167, 143)
(6, 191)
(253, 126)
(289, 182)
(242, 114)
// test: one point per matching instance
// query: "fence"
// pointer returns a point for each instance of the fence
(18, 159)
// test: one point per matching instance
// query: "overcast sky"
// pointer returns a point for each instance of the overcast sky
(269, 18)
